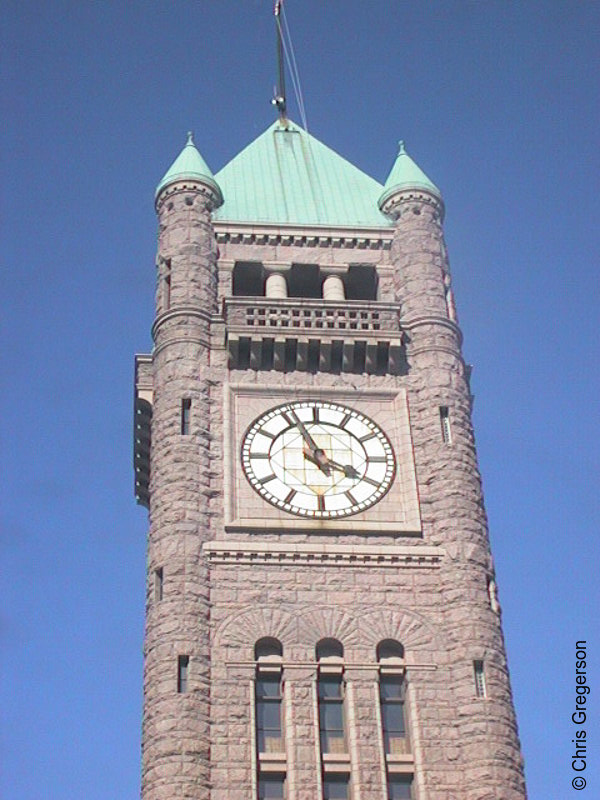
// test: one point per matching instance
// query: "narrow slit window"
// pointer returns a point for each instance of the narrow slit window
(445, 423)
(186, 416)
(479, 675)
(158, 583)
(183, 663)
(166, 285)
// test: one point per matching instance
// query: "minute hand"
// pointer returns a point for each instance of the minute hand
(305, 434)
(311, 450)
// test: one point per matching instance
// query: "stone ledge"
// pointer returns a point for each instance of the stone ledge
(322, 554)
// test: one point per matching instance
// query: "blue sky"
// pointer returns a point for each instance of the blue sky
(498, 103)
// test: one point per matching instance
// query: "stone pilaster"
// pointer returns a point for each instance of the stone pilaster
(364, 732)
(176, 724)
(301, 731)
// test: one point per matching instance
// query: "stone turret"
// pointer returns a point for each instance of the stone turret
(482, 734)
(176, 675)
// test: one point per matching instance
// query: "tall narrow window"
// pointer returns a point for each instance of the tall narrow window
(391, 695)
(271, 787)
(331, 714)
(158, 583)
(479, 674)
(399, 787)
(166, 285)
(183, 663)
(186, 415)
(268, 695)
(335, 787)
(445, 423)
(268, 713)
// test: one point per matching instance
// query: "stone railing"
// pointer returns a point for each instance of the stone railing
(313, 334)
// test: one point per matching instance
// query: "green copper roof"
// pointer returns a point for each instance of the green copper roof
(189, 165)
(406, 174)
(286, 176)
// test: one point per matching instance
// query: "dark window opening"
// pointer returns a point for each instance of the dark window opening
(166, 285)
(248, 279)
(399, 787)
(445, 423)
(335, 787)
(271, 787)
(182, 674)
(186, 416)
(479, 674)
(361, 282)
(304, 280)
(158, 583)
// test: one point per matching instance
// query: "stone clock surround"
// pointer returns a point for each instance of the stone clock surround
(396, 512)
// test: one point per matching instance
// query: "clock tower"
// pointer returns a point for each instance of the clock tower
(321, 611)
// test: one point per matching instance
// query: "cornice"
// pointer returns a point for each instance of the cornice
(304, 235)
(318, 554)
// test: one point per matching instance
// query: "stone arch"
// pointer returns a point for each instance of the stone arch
(406, 627)
(326, 622)
(242, 628)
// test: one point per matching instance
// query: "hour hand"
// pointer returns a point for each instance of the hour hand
(348, 470)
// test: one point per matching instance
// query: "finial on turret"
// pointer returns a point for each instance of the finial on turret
(190, 138)
(401, 148)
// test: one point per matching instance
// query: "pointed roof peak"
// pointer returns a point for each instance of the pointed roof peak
(406, 174)
(189, 165)
(287, 176)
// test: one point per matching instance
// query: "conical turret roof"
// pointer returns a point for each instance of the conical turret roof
(405, 174)
(189, 165)
(286, 176)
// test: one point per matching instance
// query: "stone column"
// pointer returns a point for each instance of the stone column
(175, 742)
(453, 515)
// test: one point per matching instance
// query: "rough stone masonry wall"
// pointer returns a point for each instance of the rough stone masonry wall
(176, 725)
(464, 747)
(453, 512)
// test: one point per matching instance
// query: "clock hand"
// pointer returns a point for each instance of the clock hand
(348, 470)
(311, 450)
(312, 445)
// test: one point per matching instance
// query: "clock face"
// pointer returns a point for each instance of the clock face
(318, 459)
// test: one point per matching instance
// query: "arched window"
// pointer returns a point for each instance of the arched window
(390, 655)
(330, 654)
(390, 651)
(268, 649)
(329, 650)
(268, 693)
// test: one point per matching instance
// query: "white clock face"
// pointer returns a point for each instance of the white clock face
(318, 459)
